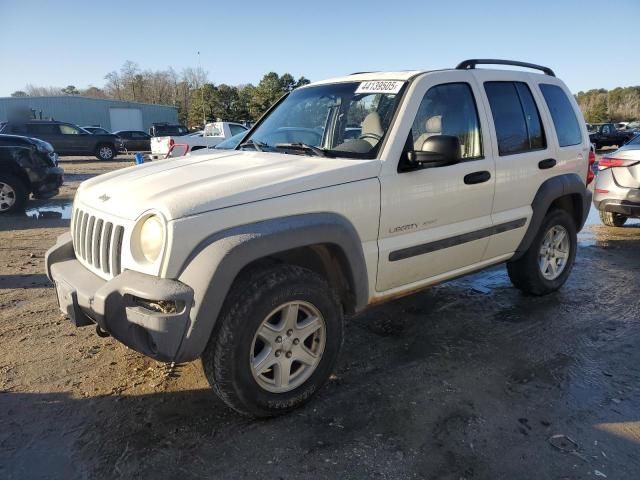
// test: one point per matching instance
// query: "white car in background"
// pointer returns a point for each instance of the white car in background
(176, 146)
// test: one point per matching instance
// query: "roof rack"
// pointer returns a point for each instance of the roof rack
(470, 64)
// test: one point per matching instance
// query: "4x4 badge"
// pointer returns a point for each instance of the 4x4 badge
(104, 197)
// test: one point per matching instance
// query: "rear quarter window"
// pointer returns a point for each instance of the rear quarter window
(562, 114)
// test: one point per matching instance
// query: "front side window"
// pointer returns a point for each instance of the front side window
(342, 119)
(516, 117)
(69, 130)
(562, 114)
(449, 109)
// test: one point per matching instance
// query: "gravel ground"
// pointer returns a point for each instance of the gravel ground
(466, 380)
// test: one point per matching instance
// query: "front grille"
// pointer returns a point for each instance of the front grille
(97, 242)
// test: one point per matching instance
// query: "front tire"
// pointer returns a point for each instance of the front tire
(546, 265)
(612, 219)
(105, 152)
(13, 194)
(276, 341)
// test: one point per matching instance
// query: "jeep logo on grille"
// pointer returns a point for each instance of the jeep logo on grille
(104, 197)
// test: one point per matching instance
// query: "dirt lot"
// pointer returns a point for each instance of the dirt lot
(467, 380)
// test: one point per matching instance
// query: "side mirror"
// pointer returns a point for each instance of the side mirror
(437, 151)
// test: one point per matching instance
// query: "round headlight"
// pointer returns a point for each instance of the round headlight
(151, 238)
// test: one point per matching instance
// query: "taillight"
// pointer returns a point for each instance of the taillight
(609, 162)
(592, 160)
(172, 142)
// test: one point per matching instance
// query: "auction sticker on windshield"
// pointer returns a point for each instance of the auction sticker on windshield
(380, 86)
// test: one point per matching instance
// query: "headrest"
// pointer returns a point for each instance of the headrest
(433, 124)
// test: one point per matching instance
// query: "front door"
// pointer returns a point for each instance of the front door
(437, 221)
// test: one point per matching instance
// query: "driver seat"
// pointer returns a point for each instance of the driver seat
(433, 126)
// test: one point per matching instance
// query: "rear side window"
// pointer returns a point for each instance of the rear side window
(563, 115)
(43, 129)
(516, 117)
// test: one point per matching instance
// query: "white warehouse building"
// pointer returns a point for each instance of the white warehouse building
(112, 115)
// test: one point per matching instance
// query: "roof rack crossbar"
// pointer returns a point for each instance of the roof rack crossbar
(470, 64)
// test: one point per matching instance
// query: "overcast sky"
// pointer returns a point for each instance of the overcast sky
(57, 43)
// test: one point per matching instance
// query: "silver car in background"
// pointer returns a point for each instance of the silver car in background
(617, 188)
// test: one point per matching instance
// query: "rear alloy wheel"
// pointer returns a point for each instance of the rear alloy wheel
(105, 152)
(612, 219)
(546, 265)
(13, 194)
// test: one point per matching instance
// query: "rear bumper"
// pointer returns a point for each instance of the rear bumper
(623, 207)
(146, 313)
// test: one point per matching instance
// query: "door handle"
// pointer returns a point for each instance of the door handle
(547, 163)
(477, 177)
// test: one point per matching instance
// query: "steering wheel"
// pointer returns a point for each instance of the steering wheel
(291, 137)
(373, 136)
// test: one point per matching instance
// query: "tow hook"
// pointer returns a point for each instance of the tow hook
(101, 333)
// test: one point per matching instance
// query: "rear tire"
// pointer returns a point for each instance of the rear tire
(546, 265)
(612, 219)
(105, 152)
(13, 194)
(252, 363)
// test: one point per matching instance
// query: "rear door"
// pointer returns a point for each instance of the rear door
(524, 156)
(435, 222)
(49, 132)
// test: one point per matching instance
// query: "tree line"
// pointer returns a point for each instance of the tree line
(196, 97)
(617, 105)
(189, 90)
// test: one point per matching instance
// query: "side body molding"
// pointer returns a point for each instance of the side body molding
(549, 191)
(213, 266)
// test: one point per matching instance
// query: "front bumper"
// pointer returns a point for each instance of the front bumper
(146, 313)
(45, 182)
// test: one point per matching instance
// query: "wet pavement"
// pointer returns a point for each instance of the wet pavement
(467, 380)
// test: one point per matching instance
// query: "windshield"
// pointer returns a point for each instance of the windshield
(342, 119)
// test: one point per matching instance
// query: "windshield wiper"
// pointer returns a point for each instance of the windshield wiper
(259, 146)
(320, 152)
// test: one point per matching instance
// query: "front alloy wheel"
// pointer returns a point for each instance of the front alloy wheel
(288, 346)
(13, 193)
(276, 340)
(7, 197)
(105, 152)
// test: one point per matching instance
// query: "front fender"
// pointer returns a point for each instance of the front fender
(214, 265)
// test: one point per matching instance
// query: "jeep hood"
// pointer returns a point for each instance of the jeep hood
(189, 185)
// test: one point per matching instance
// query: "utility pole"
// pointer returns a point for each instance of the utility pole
(204, 118)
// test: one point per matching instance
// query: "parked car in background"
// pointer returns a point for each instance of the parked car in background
(97, 130)
(168, 129)
(27, 166)
(66, 138)
(617, 186)
(606, 135)
(213, 134)
(133, 140)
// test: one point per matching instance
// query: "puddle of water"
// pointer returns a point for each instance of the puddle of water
(60, 211)
(590, 237)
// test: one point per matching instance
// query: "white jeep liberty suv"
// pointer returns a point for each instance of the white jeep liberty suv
(346, 193)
